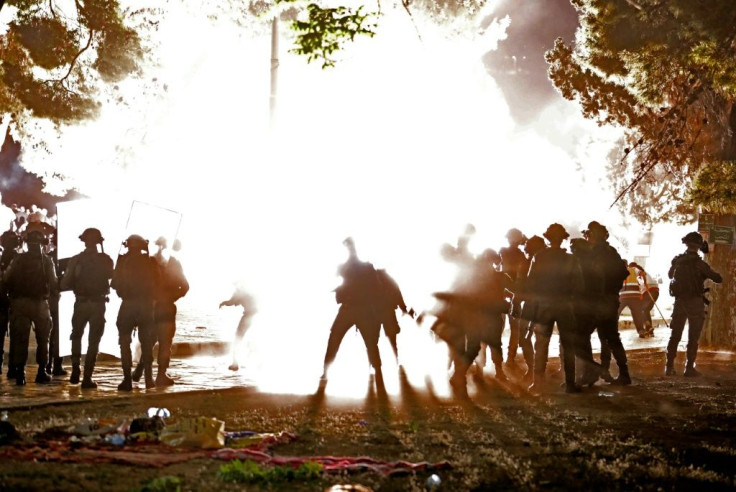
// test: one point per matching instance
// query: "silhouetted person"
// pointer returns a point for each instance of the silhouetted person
(30, 279)
(533, 245)
(10, 242)
(586, 309)
(630, 297)
(649, 295)
(553, 282)
(613, 272)
(172, 286)
(515, 264)
(488, 295)
(390, 299)
(358, 297)
(688, 273)
(243, 299)
(135, 279)
(88, 275)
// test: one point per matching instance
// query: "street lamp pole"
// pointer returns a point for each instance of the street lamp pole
(274, 69)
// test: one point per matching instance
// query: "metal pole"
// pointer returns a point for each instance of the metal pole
(274, 68)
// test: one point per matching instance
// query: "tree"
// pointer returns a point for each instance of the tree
(666, 73)
(55, 63)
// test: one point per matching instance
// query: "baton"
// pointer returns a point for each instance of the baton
(655, 305)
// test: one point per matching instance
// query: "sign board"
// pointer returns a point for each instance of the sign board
(722, 234)
(706, 222)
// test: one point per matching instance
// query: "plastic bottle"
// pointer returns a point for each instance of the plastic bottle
(115, 439)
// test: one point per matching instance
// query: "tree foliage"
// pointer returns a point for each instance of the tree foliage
(326, 30)
(666, 73)
(321, 31)
(55, 61)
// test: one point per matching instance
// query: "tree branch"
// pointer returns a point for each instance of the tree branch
(76, 57)
(406, 4)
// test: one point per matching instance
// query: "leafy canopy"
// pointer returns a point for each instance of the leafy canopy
(54, 61)
(666, 73)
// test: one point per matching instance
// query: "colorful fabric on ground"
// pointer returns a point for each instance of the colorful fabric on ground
(332, 464)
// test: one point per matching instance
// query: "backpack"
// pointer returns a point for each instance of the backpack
(91, 276)
(686, 280)
(29, 277)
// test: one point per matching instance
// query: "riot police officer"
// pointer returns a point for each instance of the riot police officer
(554, 280)
(88, 275)
(688, 273)
(135, 279)
(358, 297)
(30, 279)
(612, 273)
(10, 242)
(515, 264)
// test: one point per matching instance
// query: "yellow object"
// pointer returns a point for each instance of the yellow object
(198, 432)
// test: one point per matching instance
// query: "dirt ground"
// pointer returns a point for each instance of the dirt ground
(658, 434)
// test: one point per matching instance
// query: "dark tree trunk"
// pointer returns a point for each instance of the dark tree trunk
(720, 324)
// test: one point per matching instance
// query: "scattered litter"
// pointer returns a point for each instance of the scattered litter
(256, 440)
(115, 439)
(197, 432)
(433, 482)
(364, 423)
(606, 394)
(158, 412)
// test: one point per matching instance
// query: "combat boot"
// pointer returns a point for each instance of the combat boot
(669, 368)
(572, 388)
(87, 382)
(42, 377)
(126, 384)
(691, 372)
(58, 369)
(76, 371)
(138, 373)
(606, 376)
(12, 370)
(162, 379)
(126, 359)
(19, 373)
(623, 378)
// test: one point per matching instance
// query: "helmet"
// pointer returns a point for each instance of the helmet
(515, 236)
(578, 245)
(693, 238)
(161, 241)
(556, 231)
(534, 245)
(596, 229)
(91, 234)
(491, 255)
(9, 239)
(348, 241)
(35, 232)
(134, 240)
